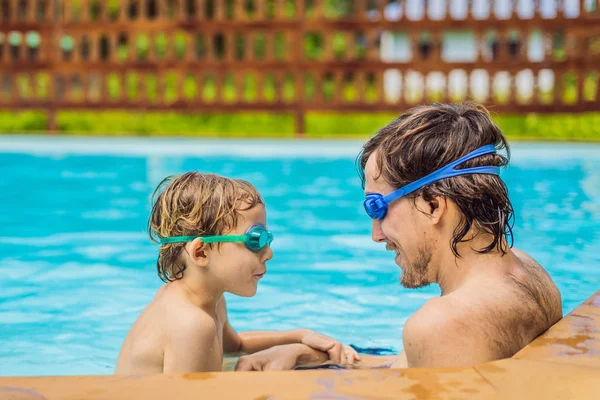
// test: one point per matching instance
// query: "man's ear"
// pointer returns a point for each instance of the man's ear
(434, 208)
(199, 252)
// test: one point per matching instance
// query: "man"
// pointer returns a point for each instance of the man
(432, 186)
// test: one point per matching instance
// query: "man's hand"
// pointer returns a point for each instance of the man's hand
(276, 358)
(338, 353)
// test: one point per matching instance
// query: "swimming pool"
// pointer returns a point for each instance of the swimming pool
(77, 266)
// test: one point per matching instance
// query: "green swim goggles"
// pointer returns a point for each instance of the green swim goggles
(255, 239)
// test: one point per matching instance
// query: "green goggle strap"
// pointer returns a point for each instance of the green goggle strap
(205, 239)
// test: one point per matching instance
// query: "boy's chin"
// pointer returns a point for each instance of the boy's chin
(250, 292)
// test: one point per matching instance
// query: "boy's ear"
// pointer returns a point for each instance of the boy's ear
(198, 252)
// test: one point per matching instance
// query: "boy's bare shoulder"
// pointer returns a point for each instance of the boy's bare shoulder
(191, 325)
(184, 317)
(192, 343)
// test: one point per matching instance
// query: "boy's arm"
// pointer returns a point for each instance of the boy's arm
(254, 341)
(299, 355)
(189, 348)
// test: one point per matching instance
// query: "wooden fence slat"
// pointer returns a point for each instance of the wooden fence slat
(221, 28)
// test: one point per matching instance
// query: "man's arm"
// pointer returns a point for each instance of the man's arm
(282, 358)
(375, 362)
(400, 361)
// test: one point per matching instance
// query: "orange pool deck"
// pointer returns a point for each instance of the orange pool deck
(563, 363)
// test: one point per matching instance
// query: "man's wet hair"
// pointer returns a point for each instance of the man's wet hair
(429, 137)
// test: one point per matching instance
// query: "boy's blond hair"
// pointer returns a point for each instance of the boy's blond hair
(195, 204)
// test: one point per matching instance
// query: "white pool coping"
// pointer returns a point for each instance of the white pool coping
(46, 145)
(177, 146)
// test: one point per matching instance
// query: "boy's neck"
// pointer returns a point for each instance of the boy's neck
(199, 291)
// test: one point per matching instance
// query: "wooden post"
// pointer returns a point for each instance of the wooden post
(580, 84)
(558, 97)
(295, 57)
(597, 97)
(53, 53)
(300, 122)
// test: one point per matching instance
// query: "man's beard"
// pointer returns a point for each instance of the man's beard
(416, 274)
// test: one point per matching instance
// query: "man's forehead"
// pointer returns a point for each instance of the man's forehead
(372, 178)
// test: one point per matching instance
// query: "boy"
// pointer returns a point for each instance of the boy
(214, 240)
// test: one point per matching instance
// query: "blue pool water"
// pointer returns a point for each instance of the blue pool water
(77, 266)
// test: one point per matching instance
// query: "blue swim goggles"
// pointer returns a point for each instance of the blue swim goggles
(376, 204)
(255, 239)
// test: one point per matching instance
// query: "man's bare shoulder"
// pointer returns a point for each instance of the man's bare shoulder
(538, 285)
(438, 336)
(485, 319)
(436, 315)
(434, 309)
(528, 261)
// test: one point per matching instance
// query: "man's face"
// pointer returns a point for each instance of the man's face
(404, 229)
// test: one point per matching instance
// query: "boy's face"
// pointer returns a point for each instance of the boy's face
(239, 268)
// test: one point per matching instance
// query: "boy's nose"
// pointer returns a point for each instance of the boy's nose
(267, 253)
(376, 233)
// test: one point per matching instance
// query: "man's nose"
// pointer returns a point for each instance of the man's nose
(376, 233)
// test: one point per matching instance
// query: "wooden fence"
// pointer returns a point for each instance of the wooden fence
(297, 56)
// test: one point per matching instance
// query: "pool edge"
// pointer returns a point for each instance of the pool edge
(564, 362)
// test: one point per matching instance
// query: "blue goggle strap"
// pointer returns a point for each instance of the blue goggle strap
(447, 172)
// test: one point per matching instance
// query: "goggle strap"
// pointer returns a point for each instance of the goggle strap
(447, 172)
(224, 239)
(490, 170)
(205, 239)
